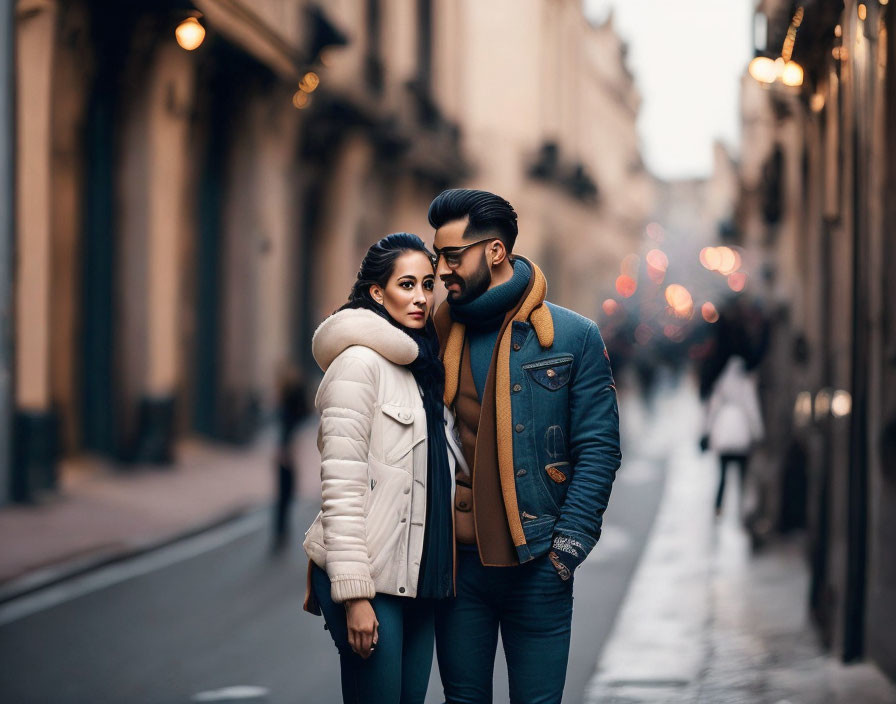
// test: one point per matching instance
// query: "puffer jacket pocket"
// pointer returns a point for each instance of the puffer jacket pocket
(386, 511)
(400, 432)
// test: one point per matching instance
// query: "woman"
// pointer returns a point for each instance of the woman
(382, 547)
(733, 423)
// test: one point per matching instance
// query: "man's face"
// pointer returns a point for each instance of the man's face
(466, 275)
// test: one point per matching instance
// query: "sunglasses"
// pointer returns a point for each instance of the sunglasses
(453, 255)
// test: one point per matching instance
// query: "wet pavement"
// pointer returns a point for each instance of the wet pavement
(705, 619)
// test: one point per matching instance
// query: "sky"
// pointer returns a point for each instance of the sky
(688, 57)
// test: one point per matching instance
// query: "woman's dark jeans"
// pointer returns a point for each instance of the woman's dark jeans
(398, 670)
(532, 607)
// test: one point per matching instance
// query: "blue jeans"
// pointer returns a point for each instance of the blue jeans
(533, 608)
(398, 670)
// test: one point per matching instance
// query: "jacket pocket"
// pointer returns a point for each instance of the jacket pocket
(400, 432)
(386, 511)
(552, 374)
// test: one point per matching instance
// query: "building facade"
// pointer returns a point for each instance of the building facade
(817, 207)
(186, 218)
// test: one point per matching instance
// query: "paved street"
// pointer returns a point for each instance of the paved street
(218, 610)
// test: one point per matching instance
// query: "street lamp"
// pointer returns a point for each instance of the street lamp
(190, 33)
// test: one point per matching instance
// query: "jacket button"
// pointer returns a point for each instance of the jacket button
(407, 490)
(404, 520)
(401, 590)
(516, 346)
(551, 373)
(517, 388)
(520, 427)
(521, 472)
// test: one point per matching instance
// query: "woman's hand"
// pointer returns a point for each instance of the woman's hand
(362, 626)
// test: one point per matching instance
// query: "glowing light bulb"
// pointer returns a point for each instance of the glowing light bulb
(189, 34)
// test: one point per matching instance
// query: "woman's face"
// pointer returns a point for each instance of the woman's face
(408, 294)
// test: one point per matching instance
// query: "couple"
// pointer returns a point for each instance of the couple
(467, 458)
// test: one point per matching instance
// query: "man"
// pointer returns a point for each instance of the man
(531, 386)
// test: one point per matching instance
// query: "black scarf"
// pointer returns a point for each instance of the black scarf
(436, 566)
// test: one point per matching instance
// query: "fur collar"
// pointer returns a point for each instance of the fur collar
(356, 326)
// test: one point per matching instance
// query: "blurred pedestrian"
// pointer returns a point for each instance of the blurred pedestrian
(382, 547)
(536, 407)
(733, 422)
(293, 409)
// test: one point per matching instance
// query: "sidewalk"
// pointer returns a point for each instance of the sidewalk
(101, 515)
(706, 621)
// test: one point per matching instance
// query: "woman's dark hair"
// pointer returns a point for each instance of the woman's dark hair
(487, 213)
(378, 265)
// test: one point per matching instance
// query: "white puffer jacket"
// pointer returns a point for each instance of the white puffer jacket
(373, 448)
(733, 418)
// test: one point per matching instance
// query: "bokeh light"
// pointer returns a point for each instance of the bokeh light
(626, 286)
(610, 306)
(737, 281)
(709, 312)
(656, 232)
(657, 264)
(301, 99)
(630, 265)
(679, 300)
(189, 34)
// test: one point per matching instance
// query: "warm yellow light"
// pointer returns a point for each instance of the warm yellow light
(863, 12)
(301, 99)
(728, 261)
(763, 69)
(189, 34)
(310, 81)
(792, 75)
(884, 2)
(841, 403)
(679, 299)
(816, 102)
(710, 257)
(822, 403)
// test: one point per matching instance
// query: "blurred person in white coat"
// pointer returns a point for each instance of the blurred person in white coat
(733, 422)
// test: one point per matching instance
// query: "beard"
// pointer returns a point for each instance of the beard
(473, 286)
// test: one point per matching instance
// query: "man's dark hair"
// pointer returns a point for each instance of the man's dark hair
(487, 213)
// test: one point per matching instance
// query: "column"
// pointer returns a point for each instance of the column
(7, 234)
(170, 105)
(35, 427)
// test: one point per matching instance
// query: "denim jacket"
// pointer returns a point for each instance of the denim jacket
(566, 432)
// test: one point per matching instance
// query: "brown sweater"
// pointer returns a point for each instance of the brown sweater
(489, 527)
